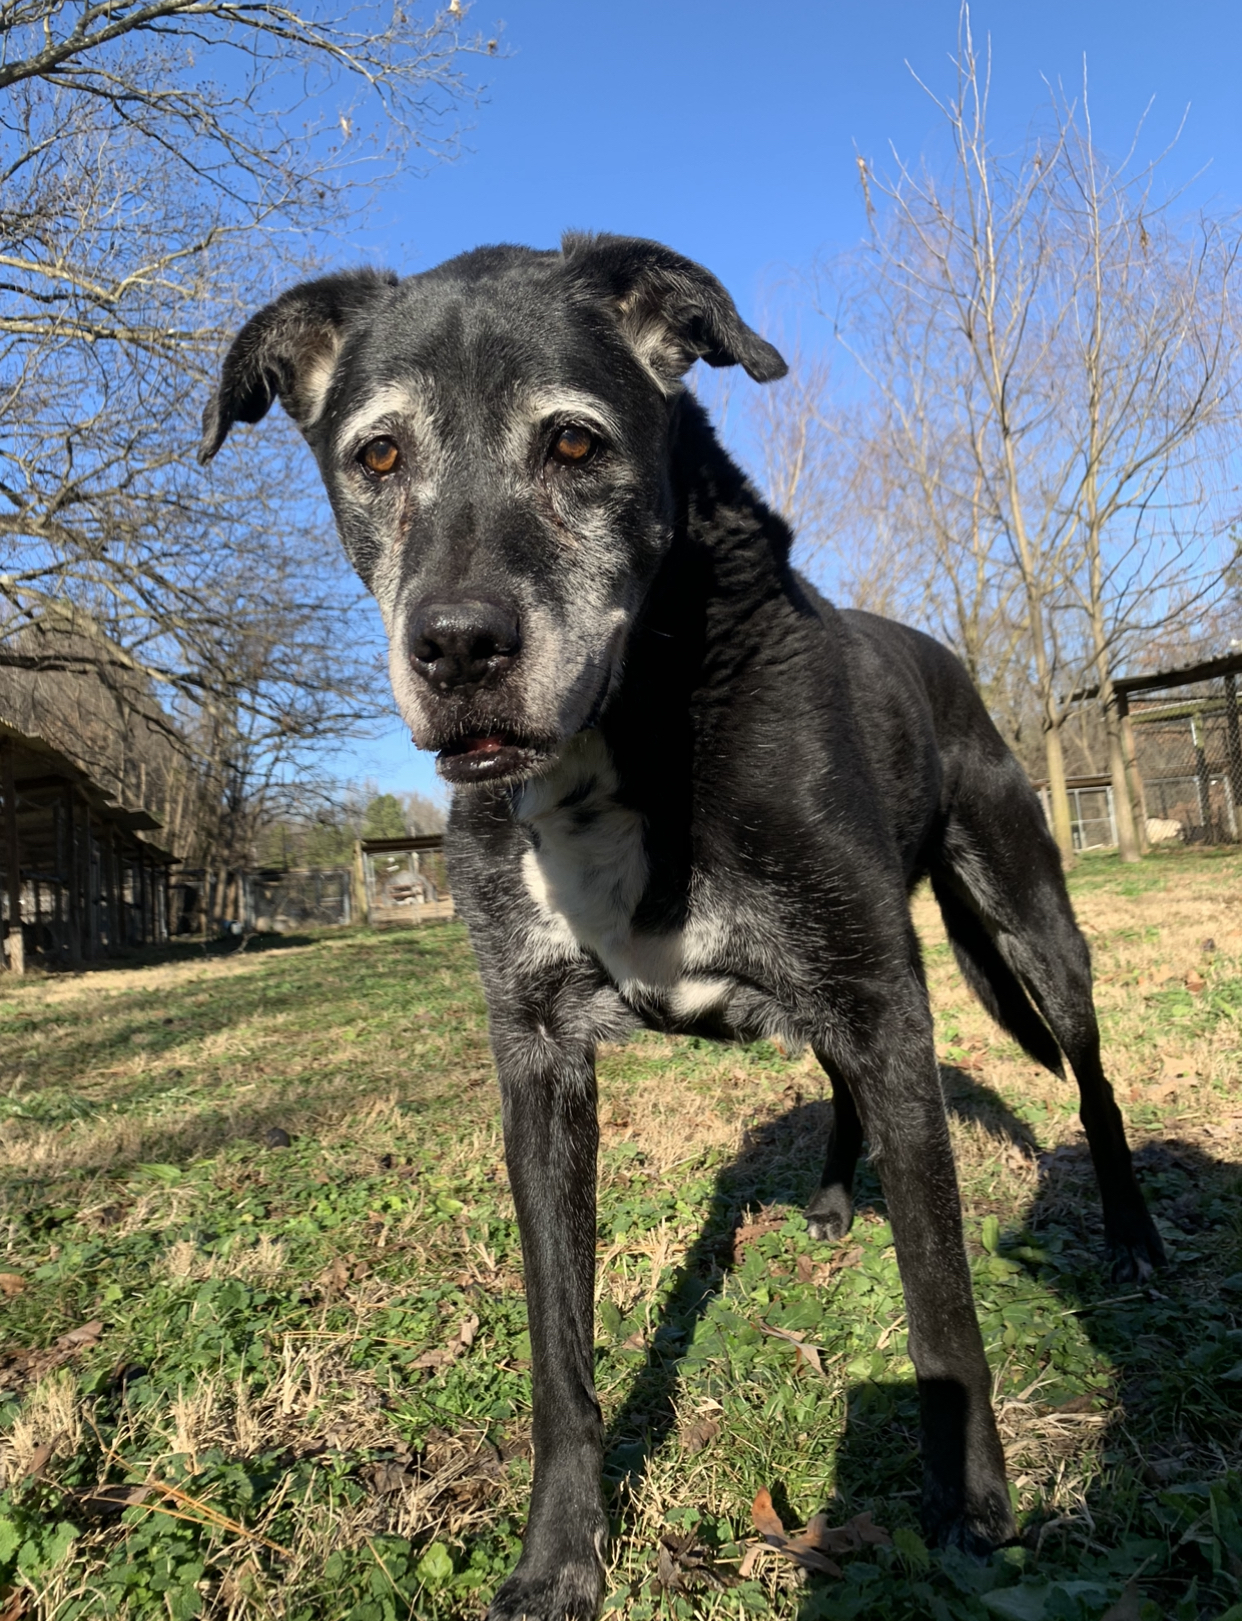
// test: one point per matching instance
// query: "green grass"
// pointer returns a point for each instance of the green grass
(308, 1391)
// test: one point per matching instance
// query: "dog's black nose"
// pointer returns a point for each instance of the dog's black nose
(462, 644)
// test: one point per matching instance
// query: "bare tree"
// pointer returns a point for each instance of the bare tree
(422, 814)
(794, 426)
(1052, 359)
(1149, 368)
(965, 257)
(161, 161)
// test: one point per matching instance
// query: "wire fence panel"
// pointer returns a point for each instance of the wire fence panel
(1093, 823)
(1189, 757)
(285, 901)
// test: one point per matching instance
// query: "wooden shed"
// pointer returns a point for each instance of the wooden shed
(78, 881)
(402, 880)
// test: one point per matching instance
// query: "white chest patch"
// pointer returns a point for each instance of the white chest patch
(587, 875)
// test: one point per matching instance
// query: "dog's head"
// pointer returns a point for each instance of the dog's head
(494, 436)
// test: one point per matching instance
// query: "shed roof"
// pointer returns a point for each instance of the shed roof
(40, 768)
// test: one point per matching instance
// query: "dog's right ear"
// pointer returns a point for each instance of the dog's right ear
(289, 350)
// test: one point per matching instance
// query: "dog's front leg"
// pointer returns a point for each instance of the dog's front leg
(551, 1136)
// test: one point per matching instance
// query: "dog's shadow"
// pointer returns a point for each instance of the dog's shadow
(1196, 1199)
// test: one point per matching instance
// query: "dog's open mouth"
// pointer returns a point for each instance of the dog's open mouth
(487, 757)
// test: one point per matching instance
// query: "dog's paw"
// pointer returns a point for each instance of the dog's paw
(1135, 1254)
(830, 1215)
(987, 1525)
(570, 1593)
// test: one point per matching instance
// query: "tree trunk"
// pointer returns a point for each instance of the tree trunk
(1058, 796)
(1134, 779)
(1123, 809)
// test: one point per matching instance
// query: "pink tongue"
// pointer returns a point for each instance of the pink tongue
(485, 745)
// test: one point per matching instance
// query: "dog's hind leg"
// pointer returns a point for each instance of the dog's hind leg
(1008, 914)
(830, 1213)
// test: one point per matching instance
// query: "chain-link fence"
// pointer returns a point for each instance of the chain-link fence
(1183, 748)
(270, 901)
(391, 881)
(281, 902)
(1093, 821)
(1188, 751)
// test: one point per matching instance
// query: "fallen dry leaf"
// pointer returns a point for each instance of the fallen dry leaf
(801, 1548)
(1159, 1471)
(859, 1532)
(683, 1565)
(38, 1460)
(1165, 1091)
(13, 1604)
(387, 1477)
(699, 1434)
(439, 1357)
(449, 1352)
(1078, 1404)
(751, 1558)
(805, 1268)
(459, 1468)
(970, 1062)
(11, 1283)
(334, 1279)
(78, 1339)
(809, 1557)
(766, 1520)
(1194, 982)
(894, 1327)
(122, 1496)
(810, 1548)
(804, 1352)
(24, 1366)
(809, 1355)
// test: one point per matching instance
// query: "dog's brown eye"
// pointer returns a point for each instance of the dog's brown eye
(573, 446)
(380, 456)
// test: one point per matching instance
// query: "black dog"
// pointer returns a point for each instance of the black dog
(693, 794)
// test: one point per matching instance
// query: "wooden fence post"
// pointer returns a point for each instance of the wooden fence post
(15, 947)
(361, 907)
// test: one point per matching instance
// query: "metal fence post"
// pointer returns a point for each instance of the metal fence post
(1233, 746)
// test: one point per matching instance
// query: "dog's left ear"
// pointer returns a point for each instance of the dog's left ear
(288, 351)
(672, 310)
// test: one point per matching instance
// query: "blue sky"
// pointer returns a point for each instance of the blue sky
(731, 131)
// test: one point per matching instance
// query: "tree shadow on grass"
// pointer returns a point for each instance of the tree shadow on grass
(181, 949)
(166, 1026)
(1162, 1426)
